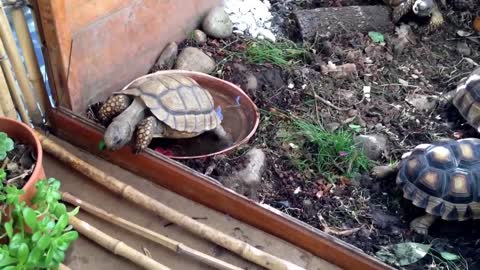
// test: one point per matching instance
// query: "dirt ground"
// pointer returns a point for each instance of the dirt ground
(366, 212)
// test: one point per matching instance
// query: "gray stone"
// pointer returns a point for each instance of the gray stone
(217, 23)
(251, 82)
(194, 59)
(332, 126)
(422, 102)
(167, 58)
(373, 145)
(463, 48)
(199, 37)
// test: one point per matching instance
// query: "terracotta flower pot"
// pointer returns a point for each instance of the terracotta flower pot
(20, 132)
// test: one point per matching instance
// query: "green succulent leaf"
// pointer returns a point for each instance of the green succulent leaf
(30, 218)
(9, 229)
(23, 252)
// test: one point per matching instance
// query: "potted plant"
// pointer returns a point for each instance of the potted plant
(34, 231)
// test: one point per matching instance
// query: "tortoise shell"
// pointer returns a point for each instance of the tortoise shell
(444, 178)
(467, 98)
(176, 100)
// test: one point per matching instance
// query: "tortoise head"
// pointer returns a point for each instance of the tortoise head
(118, 134)
(423, 8)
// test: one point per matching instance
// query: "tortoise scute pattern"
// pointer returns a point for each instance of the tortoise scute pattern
(178, 101)
(467, 99)
(444, 178)
(113, 106)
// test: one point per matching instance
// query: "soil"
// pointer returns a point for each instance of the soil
(19, 165)
(366, 212)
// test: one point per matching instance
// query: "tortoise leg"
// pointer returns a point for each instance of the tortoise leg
(402, 10)
(112, 107)
(144, 134)
(421, 224)
(436, 21)
(223, 135)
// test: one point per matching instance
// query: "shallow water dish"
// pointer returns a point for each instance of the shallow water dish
(240, 119)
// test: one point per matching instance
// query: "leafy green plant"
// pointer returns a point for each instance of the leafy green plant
(332, 152)
(282, 53)
(38, 237)
(6, 145)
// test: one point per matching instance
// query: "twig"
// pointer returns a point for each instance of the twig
(5, 162)
(134, 195)
(149, 234)
(116, 246)
(25, 173)
(328, 103)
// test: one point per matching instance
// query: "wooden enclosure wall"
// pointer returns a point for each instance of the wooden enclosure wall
(95, 47)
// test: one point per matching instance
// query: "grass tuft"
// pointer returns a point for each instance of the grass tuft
(330, 152)
(281, 53)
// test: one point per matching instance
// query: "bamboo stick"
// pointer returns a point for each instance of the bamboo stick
(149, 234)
(31, 62)
(6, 101)
(6, 36)
(64, 267)
(12, 85)
(115, 246)
(128, 192)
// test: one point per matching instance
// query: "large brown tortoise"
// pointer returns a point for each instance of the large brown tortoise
(443, 178)
(159, 105)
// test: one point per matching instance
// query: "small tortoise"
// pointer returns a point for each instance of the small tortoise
(443, 178)
(421, 8)
(466, 98)
(159, 105)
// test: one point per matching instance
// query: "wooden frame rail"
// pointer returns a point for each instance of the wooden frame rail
(202, 189)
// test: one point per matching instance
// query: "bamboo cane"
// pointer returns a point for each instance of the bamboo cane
(6, 36)
(115, 246)
(31, 62)
(6, 101)
(64, 267)
(128, 192)
(149, 234)
(12, 86)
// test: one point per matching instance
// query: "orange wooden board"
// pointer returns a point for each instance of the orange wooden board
(95, 47)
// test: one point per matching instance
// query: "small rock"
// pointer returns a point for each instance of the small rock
(247, 180)
(332, 126)
(373, 145)
(463, 49)
(194, 59)
(384, 220)
(422, 102)
(167, 58)
(199, 37)
(217, 23)
(382, 172)
(251, 82)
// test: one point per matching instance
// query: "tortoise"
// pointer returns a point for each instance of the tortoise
(443, 178)
(159, 105)
(421, 8)
(466, 98)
